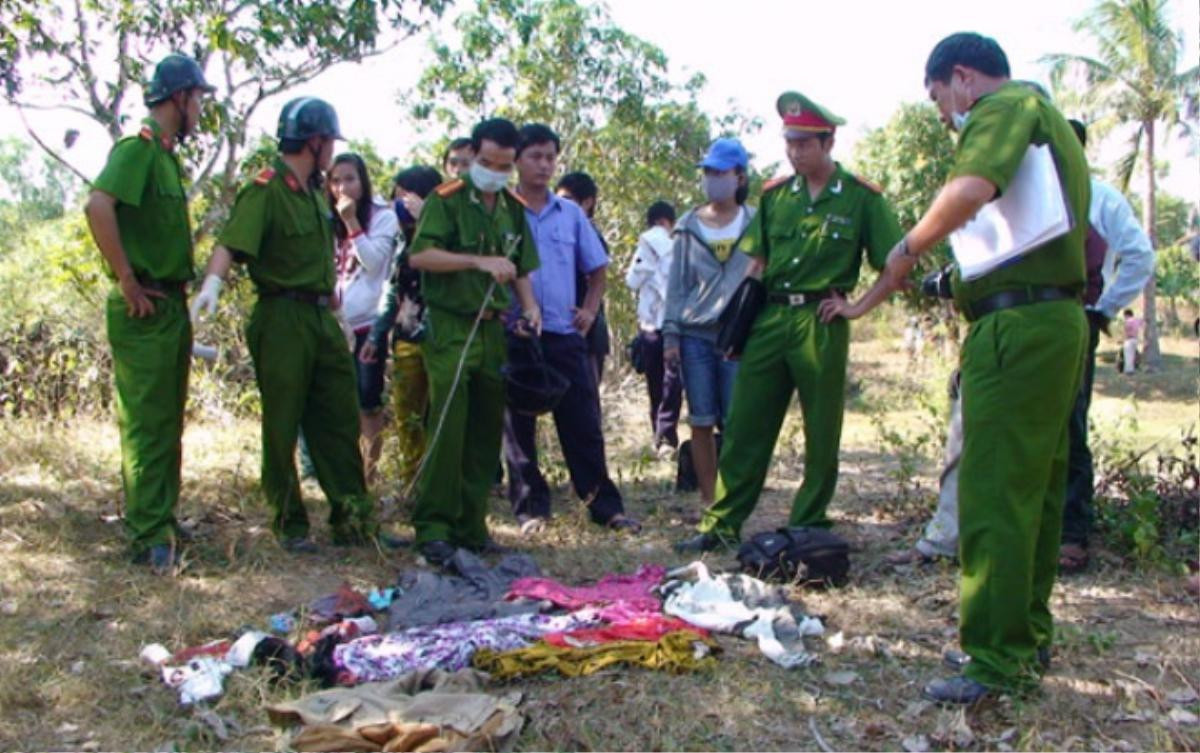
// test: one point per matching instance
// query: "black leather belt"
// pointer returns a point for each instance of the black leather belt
(323, 300)
(798, 299)
(163, 286)
(1007, 299)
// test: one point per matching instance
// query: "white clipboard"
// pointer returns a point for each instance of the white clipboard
(1030, 213)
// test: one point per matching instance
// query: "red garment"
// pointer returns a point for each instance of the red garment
(216, 649)
(644, 629)
(636, 590)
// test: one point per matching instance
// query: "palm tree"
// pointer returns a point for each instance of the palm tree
(1134, 80)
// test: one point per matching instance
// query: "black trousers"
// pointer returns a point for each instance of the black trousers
(1077, 508)
(665, 387)
(577, 421)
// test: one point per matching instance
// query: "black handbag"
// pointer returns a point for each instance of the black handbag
(739, 315)
(806, 555)
(635, 350)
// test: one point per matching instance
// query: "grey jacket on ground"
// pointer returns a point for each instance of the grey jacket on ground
(699, 286)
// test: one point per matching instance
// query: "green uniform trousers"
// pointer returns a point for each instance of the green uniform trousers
(151, 357)
(452, 492)
(789, 349)
(306, 379)
(410, 401)
(1021, 369)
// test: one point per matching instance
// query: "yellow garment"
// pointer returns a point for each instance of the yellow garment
(680, 651)
(410, 401)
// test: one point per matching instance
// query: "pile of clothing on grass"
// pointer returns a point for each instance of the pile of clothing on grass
(406, 666)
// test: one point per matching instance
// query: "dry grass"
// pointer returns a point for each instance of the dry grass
(73, 614)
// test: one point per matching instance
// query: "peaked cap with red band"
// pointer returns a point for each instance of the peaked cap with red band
(801, 115)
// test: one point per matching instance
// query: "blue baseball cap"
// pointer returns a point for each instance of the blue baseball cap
(725, 154)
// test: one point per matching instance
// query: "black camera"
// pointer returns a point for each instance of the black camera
(936, 284)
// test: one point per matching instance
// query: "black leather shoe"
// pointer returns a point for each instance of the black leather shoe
(299, 545)
(437, 553)
(959, 690)
(161, 558)
(957, 660)
(701, 542)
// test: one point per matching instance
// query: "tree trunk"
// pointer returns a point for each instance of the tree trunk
(1152, 355)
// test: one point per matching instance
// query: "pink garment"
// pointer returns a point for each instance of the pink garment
(1133, 327)
(647, 628)
(633, 592)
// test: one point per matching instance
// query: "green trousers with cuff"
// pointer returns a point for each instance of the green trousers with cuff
(306, 378)
(151, 358)
(410, 403)
(789, 350)
(452, 492)
(1021, 369)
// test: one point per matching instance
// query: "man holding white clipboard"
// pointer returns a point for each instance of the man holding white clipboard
(1023, 355)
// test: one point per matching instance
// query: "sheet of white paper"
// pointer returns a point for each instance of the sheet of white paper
(1031, 212)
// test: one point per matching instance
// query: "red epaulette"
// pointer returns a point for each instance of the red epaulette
(147, 133)
(517, 197)
(774, 183)
(868, 184)
(265, 176)
(450, 187)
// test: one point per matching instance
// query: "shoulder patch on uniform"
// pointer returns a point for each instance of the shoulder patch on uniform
(146, 134)
(292, 181)
(264, 177)
(450, 187)
(868, 184)
(774, 183)
(517, 197)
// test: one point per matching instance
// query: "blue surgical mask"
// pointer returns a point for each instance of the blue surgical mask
(403, 215)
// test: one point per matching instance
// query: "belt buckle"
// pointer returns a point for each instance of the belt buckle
(796, 299)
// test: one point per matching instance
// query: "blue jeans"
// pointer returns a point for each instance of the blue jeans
(707, 380)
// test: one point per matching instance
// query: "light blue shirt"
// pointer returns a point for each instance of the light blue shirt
(566, 243)
(1129, 261)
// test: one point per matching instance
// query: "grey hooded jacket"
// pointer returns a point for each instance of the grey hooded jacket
(700, 286)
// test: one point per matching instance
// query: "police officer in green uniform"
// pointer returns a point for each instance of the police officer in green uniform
(472, 234)
(138, 215)
(1022, 362)
(281, 227)
(807, 241)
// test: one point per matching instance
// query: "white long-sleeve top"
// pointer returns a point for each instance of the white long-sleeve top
(1130, 258)
(364, 264)
(647, 276)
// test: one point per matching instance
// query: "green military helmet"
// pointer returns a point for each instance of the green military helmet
(175, 73)
(305, 117)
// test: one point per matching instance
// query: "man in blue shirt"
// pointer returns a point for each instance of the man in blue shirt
(567, 245)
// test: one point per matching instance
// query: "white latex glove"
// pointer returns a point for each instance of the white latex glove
(206, 300)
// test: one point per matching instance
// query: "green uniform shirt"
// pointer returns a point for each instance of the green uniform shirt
(145, 177)
(810, 245)
(1000, 129)
(455, 219)
(284, 232)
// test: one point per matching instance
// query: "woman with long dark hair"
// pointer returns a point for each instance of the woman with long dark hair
(365, 231)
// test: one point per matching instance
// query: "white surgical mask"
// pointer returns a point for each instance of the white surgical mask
(488, 181)
(720, 187)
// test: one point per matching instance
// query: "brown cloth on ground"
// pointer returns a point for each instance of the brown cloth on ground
(680, 651)
(421, 711)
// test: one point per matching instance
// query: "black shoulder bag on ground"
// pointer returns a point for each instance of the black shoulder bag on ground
(806, 555)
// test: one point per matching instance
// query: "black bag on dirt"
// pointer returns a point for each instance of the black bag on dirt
(685, 468)
(806, 555)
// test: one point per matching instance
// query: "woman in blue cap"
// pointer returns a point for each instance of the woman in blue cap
(706, 269)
